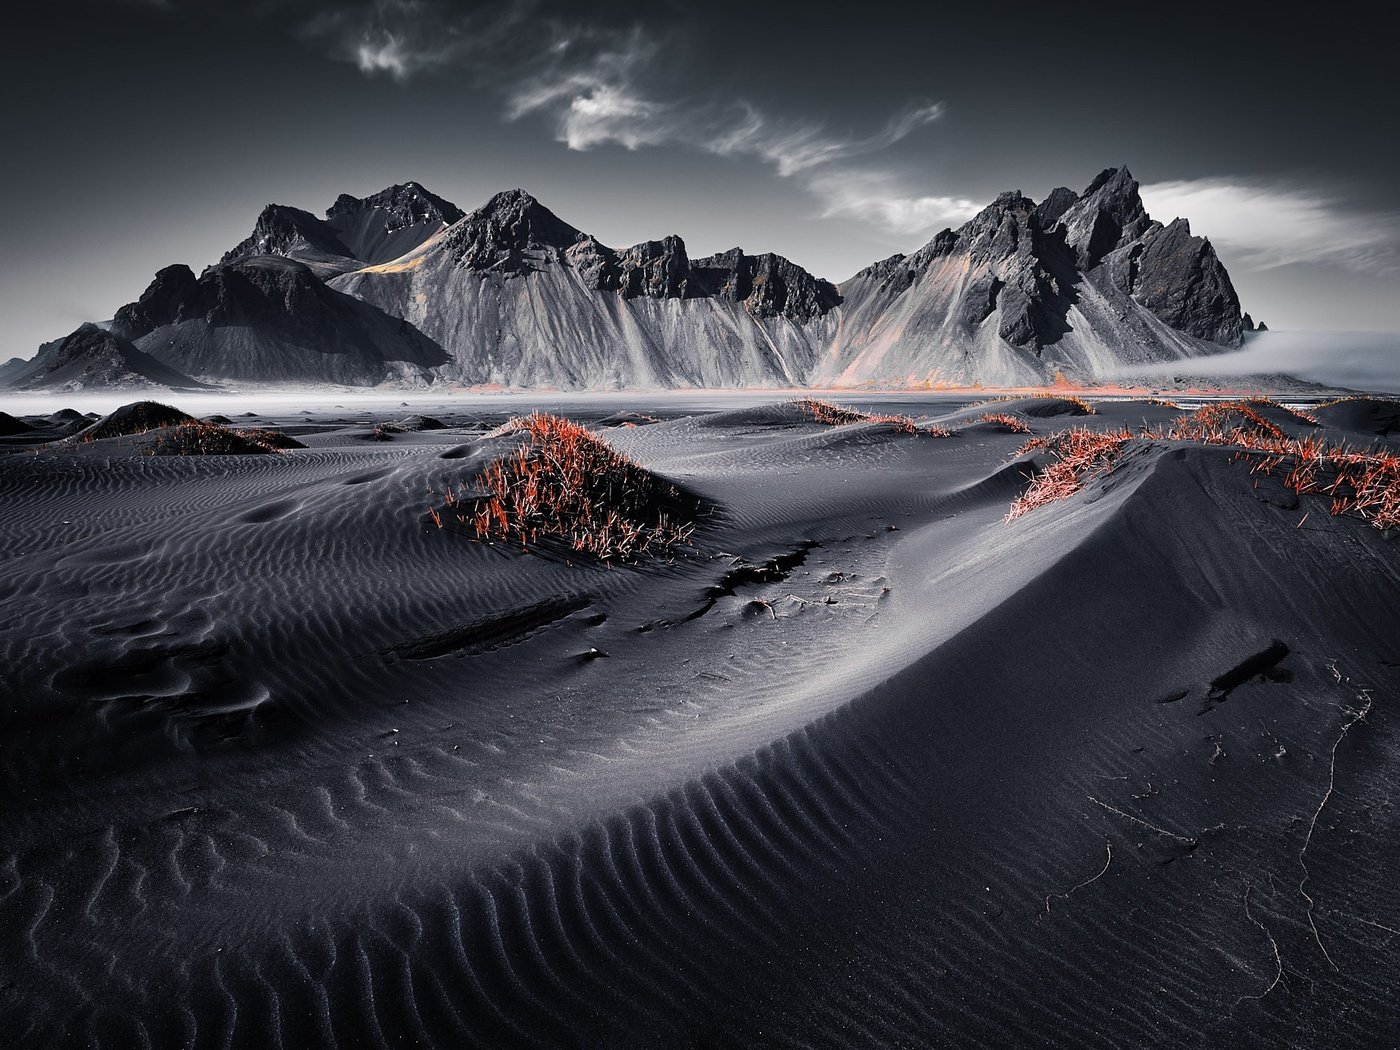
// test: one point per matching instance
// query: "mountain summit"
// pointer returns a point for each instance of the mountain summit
(356, 232)
(387, 224)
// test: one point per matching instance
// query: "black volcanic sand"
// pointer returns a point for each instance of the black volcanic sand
(285, 765)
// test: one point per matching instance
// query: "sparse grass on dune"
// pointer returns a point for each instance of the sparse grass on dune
(274, 439)
(830, 414)
(1363, 483)
(565, 484)
(1080, 405)
(1372, 398)
(1217, 420)
(1080, 453)
(1244, 415)
(1006, 421)
(198, 438)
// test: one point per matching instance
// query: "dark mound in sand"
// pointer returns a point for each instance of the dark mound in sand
(1372, 416)
(197, 438)
(135, 418)
(10, 425)
(420, 423)
(1048, 407)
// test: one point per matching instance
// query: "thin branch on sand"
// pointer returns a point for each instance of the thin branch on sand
(1139, 820)
(1273, 945)
(1357, 715)
(1108, 846)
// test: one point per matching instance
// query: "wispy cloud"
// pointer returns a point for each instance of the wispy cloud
(881, 199)
(1261, 226)
(597, 85)
(595, 96)
(796, 147)
(406, 38)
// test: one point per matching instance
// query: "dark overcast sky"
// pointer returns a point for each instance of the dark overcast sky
(144, 132)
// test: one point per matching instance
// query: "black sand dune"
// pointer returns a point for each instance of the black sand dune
(284, 765)
(1367, 416)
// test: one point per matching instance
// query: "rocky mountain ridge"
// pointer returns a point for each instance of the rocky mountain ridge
(1079, 284)
(93, 358)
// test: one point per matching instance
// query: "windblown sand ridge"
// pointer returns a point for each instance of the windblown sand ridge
(287, 765)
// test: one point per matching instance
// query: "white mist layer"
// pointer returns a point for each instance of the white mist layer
(1361, 360)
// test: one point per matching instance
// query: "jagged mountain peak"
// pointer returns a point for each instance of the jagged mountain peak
(281, 229)
(1060, 200)
(505, 230)
(521, 211)
(1117, 180)
(767, 285)
(391, 223)
(1108, 213)
(398, 206)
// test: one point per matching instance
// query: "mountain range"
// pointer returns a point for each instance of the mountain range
(403, 287)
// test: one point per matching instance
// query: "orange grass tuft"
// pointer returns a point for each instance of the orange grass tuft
(833, 415)
(1223, 423)
(1011, 424)
(1080, 454)
(1363, 483)
(1357, 397)
(567, 484)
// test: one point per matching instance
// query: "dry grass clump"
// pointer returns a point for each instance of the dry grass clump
(1224, 423)
(273, 439)
(1370, 398)
(1078, 402)
(1080, 453)
(831, 414)
(1243, 413)
(1011, 424)
(566, 485)
(1364, 483)
(198, 438)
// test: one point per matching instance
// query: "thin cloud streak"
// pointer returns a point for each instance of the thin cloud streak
(880, 199)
